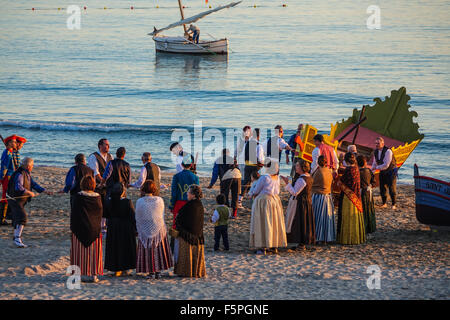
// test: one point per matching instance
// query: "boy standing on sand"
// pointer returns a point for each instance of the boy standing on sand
(220, 220)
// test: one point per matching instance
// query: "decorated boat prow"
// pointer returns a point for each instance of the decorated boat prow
(432, 200)
(390, 119)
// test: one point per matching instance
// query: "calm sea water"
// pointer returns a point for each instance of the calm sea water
(309, 62)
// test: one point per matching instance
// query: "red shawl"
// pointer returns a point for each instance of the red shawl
(351, 186)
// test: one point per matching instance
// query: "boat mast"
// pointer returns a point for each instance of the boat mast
(182, 15)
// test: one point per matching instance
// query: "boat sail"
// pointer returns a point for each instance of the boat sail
(184, 45)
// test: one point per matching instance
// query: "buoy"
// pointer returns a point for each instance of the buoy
(157, 7)
(84, 8)
(32, 9)
(59, 9)
(132, 7)
(104, 8)
(210, 6)
(184, 7)
(284, 5)
(254, 6)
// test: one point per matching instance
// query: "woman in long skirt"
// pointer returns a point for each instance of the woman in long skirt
(153, 253)
(367, 182)
(322, 202)
(120, 253)
(300, 226)
(85, 224)
(267, 226)
(189, 251)
(351, 229)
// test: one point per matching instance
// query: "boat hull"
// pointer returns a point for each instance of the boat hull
(432, 200)
(180, 45)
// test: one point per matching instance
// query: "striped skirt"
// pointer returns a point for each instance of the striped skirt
(323, 209)
(154, 258)
(90, 259)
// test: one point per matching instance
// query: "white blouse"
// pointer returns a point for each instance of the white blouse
(267, 185)
(298, 186)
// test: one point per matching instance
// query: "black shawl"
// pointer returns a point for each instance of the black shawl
(86, 217)
(189, 222)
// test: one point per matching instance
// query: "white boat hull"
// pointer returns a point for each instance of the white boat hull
(181, 45)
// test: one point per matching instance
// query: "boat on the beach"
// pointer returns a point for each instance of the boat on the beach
(182, 44)
(432, 200)
(389, 119)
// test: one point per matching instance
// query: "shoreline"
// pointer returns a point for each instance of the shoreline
(412, 258)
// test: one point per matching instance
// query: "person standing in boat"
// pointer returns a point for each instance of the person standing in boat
(384, 160)
(195, 32)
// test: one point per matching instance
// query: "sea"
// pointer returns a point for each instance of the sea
(291, 62)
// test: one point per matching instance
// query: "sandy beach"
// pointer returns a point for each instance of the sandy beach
(413, 259)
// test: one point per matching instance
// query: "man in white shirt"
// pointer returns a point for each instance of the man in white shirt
(253, 154)
(274, 145)
(384, 160)
(97, 161)
(239, 152)
(150, 171)
(177, 150)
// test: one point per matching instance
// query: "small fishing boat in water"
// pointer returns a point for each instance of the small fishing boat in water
(183, 44)
(432, 200)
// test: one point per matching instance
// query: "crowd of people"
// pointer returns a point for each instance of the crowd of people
(136, 236)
